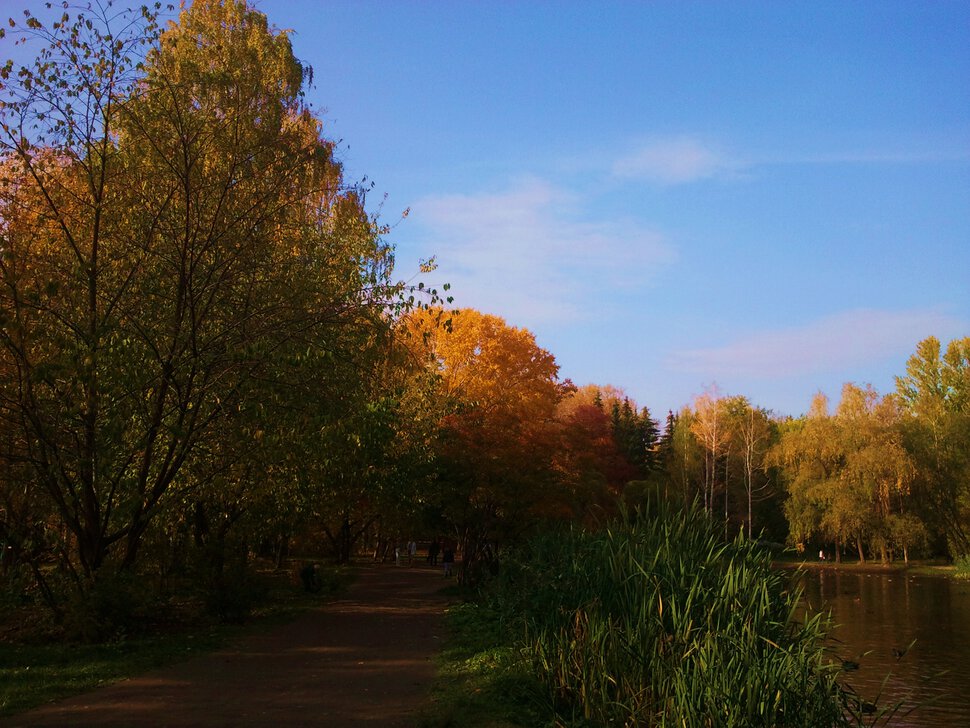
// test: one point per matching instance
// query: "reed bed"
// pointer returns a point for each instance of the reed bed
(654, 621)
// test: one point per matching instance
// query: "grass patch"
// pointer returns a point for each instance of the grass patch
(481, 681)
(35, 672)
(937, 569)
(961, 569)
(32, 675)
(655, 621)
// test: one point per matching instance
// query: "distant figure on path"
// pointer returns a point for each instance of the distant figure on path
(821, 554)
(448, 559)
(412, 550)
(433, 550)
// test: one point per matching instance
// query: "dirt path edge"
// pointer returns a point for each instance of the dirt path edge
(363, 660)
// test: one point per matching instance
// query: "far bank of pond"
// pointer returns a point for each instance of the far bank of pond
(878, 612)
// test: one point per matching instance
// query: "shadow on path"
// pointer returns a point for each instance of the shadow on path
(364, 660)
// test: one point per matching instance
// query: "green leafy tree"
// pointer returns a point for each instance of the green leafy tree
(685, 457)
(935, 393)
(178, 243)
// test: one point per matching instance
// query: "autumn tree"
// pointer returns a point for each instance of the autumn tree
(497, 440)
(752, 433)
(709, 427)
(175, 231)
(634, 432)
(875, 461)
(849, 474)
(935, 393)
(591, 468)
(809, 453)
(602, 396)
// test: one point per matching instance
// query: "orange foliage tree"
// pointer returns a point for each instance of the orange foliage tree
(589, 464)
(497, 438)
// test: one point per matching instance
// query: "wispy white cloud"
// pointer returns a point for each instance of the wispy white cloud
(838, 342)
(681, 159)
(673, 161)
(531, 253)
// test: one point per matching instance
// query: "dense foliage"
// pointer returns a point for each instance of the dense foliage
(191, 299)
(656, 621)
(882, 476)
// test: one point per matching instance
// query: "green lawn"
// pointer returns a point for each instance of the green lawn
(479, 683)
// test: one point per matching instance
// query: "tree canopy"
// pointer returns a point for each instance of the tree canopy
(181, 262)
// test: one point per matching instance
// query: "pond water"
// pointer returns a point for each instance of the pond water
(877, 616)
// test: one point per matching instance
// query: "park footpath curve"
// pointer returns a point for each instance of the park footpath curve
(363, 660)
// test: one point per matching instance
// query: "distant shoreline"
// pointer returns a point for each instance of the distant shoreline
(917, 568)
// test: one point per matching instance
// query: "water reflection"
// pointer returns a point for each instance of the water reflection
(878, 615)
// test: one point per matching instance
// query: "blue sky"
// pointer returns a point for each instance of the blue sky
(769, 197)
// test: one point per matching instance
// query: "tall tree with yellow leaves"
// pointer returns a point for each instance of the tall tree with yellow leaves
(176, 233)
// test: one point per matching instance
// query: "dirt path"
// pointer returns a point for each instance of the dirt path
(364, 660)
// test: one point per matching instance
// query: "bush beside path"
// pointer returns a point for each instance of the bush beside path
(363, 660)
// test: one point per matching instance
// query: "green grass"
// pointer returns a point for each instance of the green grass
(652, 622)
(655, 621)
(932, 569)
(961, 569)
(480, 681)
(33, 673)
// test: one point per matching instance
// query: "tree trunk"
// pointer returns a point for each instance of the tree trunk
(282, 551)
(862, 555)
(345, 542)
(750, 520)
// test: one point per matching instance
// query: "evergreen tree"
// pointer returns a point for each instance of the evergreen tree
(649, 436)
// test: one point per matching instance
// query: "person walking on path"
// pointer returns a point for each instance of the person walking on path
(433, 550)
(412, 551)
(448, 559)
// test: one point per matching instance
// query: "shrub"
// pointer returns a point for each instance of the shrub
(112, 607)
(233, 596)
(962, 565)
(15, 587)
(311, 578)
(654, 621)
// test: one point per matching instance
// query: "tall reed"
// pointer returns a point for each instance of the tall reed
(654, 621)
